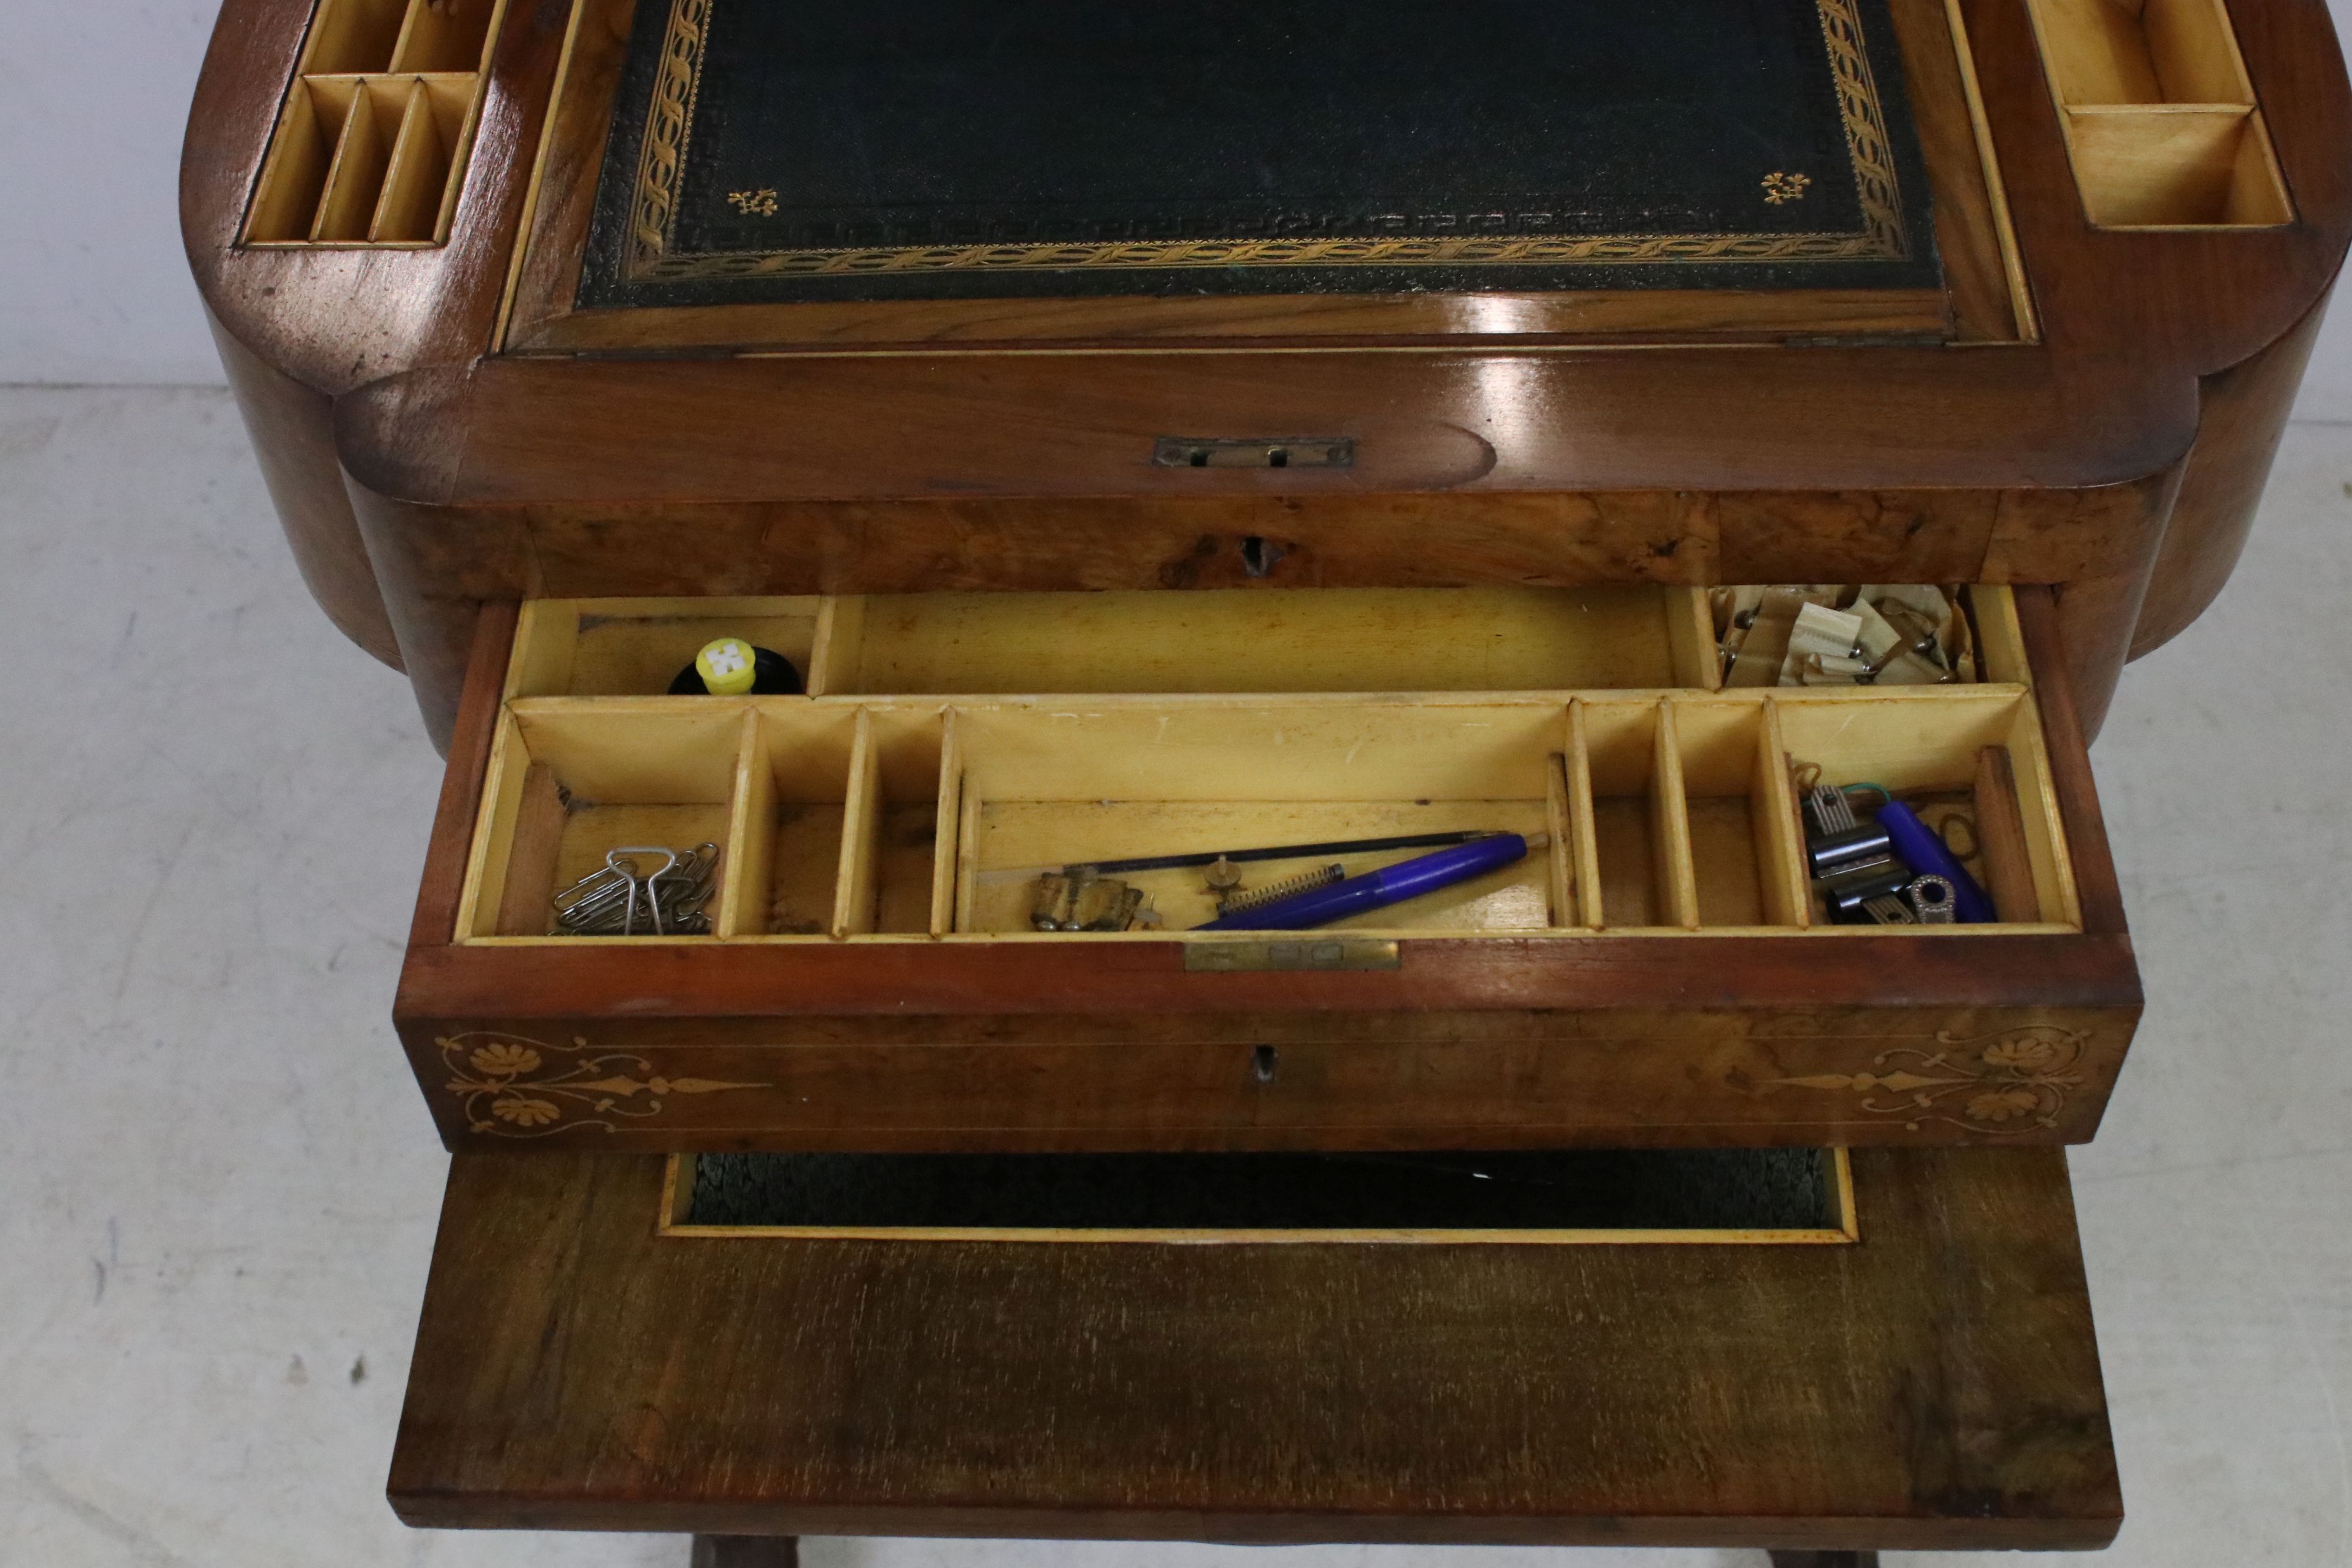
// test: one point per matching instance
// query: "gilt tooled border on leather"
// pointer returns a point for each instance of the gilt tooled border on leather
(650, 253)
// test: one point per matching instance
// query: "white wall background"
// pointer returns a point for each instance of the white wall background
(93, 287)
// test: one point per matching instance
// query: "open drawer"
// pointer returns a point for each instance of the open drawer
(868, 972)
(1900, 1357)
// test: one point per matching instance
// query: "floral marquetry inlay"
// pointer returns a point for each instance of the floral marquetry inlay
(2013, 1081)
(513, 1087)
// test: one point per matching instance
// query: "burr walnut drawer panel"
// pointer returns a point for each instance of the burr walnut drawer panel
(1656, 970)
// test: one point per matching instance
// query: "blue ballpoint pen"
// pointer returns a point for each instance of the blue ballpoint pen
(1389, 884)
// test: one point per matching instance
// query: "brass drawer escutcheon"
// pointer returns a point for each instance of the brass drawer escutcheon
(1260, 956)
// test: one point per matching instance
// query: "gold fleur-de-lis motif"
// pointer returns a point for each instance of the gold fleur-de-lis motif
(1780, 189)
(518, 1088)
(754, 204)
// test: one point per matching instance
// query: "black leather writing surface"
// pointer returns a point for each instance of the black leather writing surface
(790, 150)
(1576, 1189)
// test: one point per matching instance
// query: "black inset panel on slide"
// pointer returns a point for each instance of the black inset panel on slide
(1584, 1189)
(781, 150)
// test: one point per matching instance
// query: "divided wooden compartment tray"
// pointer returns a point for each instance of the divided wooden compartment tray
(1657, 972)
(371, 145)
(2160, 116)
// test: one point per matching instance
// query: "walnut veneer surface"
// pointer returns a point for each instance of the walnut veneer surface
(1935, 1386)
(1535, 445)
(2088, 408)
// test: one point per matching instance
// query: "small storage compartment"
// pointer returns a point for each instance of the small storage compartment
(1217, 640)
(1971, 765)
(572, 788)
(1746, 864)
(2160, 121)
(1044, 787)
(837, 818)
(370, 147)
(1631, 845)
(1445, 639)
(636, 647)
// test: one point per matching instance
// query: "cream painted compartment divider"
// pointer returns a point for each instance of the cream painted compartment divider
(1085, 780)
(2160, 120)
(571, 781)
(851, 819)
(371, 144)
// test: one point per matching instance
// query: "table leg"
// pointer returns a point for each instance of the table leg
(746, 1551)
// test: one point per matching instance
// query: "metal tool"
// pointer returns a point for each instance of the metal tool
(1274, 892)
(1889, 910)
(1935, 901)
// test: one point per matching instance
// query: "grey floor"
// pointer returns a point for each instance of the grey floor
(217, 1184)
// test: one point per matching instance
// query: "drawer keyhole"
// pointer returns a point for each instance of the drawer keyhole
(1259, 557)
(1264, 1062)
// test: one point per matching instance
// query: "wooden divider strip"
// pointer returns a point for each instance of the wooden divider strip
(861, 835)
(2000, 838)
(1690, 638)
(839, 650)
(967, 842)
(1780, 836)
(743, 872)
(2000, 641)
(1585, 838)
(1558, 856)
(534, 839)
(411, 201)
(2038, 808)
(1670, 826)
(945, 843)
(2068, 759)
(546, 633)
(355, 178)
(444, 895)
(505, 772)
(294, 173)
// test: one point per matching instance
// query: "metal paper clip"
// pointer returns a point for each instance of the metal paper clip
(618, 899)
(1830, 809)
